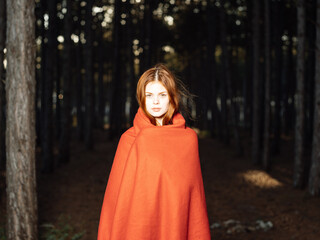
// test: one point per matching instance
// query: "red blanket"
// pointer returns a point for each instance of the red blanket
(155, 189)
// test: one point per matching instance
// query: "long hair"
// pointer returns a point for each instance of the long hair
(162, 74)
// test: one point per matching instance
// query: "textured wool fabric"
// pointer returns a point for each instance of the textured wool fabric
(155, 188)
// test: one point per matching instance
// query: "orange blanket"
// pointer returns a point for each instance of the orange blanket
(155, 189)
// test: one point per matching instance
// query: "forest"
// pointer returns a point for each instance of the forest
(68, 76)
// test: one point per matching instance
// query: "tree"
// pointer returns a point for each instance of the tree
(48, 62)
(20, 138)
(266, 134)
(79, 77)
(216, 128)
(300, 112)
(2, 87)
(64, 141)
(314, 179)
(256, 133)
(227, 78)
(89, 108)
(277, 70)
(117, 95)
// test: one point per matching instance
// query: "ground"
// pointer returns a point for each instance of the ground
(235, 191)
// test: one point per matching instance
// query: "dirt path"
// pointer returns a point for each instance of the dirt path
(234, 191)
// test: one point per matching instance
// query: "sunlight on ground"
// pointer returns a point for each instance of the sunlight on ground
(260, 179)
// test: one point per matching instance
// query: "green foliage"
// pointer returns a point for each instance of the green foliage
(62, 231)
(2, 233)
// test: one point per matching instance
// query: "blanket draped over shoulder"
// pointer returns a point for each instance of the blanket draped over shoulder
(155, 188)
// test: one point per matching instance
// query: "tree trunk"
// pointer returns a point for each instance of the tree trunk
(310, 70)
(291, 85)
(266, 135)
(89, 94)
(101, 72)
(248, 81)
(147, 35)
(47, 89)
(132, 78)
(300, 117)
(227, 78)
(215, 114)
(278, 31)
(2, 86)
(256, 133)
(314, 178)
(117, 95)
(20, 135)
(79, 79)
(64, 141)
(79, 93)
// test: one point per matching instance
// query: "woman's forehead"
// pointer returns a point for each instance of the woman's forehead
(155, 86)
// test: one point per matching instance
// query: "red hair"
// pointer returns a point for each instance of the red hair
(162, 74)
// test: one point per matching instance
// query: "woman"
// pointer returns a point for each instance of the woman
(155, 189)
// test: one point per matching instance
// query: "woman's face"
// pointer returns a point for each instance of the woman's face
(157, 100)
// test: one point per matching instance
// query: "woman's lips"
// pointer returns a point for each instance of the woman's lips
(156, 109)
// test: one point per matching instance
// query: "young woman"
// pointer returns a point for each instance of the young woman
(155, 188)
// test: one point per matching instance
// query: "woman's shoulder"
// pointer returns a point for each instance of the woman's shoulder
(128, 134)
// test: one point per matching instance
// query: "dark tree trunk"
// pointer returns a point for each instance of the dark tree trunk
(298, 174)
(291, 87)
(278, 30)
(266, 135)
(47, 89)
(147, 35)
(256, 131)
(79, 93)
(20, 137)
(117, 95)
(2, 86)
(227, 78)
(310, 75)
(89, 94)
(64, 141)
(101, 72)
(79, 80)
(131, 75)
(57, 90)
(314, 178)
(247, 83)
(215, 114)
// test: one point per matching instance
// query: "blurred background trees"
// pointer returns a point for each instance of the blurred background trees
(242, 59)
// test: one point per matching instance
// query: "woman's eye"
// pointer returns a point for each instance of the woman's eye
(148, 95)
(163, 95)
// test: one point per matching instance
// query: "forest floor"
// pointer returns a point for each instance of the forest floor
(237, 193)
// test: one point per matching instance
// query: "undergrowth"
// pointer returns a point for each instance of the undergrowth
(61, 231)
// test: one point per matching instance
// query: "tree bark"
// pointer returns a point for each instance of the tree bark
(89, 94)
(2, 85)
(266, 135)
(300, 116)
(277, 66)
(256, 133)
(79, 78)
(47, 90)
(314, 178)
(117, 95)
(101, 86)
(64, 141)
(227, 78)
(20, 135)
(215, 114)
(248, 80)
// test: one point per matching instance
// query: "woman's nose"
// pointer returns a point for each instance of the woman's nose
(155, 100)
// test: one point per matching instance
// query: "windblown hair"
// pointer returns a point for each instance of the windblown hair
(162, 74)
